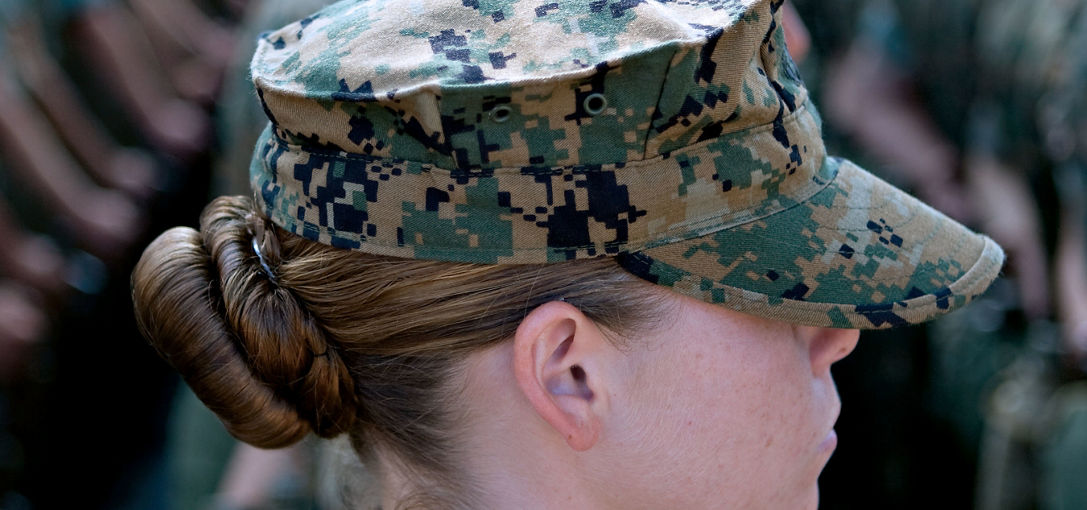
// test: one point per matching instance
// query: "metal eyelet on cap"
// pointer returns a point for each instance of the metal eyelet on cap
(595, 103)
(501, 113)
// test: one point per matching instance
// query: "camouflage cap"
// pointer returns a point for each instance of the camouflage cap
(675, 135)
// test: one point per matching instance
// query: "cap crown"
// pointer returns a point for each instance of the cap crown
(513, 131)
(416, 81)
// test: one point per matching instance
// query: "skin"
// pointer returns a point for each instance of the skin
(752, 424)
(714, 409)
(797, 37)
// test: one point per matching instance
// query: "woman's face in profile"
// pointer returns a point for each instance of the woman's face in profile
(738, 411)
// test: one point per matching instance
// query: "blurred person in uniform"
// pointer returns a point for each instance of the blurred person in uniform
(53, 146)
(1032, 119)
(103, 220)
(981, 121)
(50, 87)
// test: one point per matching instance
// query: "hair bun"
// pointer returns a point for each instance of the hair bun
(244, 344)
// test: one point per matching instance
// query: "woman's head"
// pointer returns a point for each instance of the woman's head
(435, 368)
(334, 341)
(583, 250)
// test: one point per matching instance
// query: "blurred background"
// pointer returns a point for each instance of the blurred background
(121, 118)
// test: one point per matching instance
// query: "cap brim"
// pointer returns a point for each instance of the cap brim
(858, 254)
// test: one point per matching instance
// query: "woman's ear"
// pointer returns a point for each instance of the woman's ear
(560, 359)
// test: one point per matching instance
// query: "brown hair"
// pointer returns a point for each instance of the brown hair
(333, 341)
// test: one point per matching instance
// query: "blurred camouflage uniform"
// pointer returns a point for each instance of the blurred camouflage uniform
(1035, 76)
(1032, 113)
(1006, 79)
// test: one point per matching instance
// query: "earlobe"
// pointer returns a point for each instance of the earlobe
(559, 356)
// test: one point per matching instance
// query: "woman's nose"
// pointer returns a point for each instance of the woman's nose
(828, 345)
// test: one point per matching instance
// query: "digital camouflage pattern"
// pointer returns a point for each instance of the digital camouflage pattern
(673, 134)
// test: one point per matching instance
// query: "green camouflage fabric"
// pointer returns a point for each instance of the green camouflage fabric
(1035, 69)
(675, 135)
